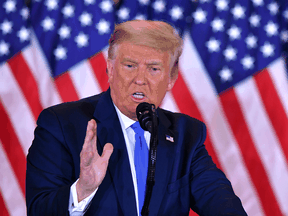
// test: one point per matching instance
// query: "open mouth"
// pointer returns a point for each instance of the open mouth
(138, 95)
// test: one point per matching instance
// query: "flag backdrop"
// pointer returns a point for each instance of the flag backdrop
(232, 76)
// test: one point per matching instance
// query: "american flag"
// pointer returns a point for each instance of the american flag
(232, 76)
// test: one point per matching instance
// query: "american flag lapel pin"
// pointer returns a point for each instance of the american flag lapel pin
(169, 138)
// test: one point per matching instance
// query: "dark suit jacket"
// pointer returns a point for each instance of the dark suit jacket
(185, 174)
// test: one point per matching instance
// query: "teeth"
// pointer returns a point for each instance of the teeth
(138, 95)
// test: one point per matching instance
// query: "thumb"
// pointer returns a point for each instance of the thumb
(107, 151)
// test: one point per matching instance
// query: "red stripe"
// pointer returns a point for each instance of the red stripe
(188, 106)
(192, 213)
(3, 209)
(250, 155)
(99, 66)
(12, 148)
(66, 88)
(26, 82)
(274, 108)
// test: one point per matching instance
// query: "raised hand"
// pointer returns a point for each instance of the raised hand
(93, 167)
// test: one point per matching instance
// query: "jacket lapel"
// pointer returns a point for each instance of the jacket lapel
(109, 130)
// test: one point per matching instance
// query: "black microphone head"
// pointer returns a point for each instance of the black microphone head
(144, 115)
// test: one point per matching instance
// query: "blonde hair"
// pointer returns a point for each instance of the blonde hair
(155, 34)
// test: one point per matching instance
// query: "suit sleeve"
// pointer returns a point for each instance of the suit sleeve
(50, 168)
(211, 191)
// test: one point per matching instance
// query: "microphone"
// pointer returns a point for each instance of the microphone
(144, 112)
(148, 120)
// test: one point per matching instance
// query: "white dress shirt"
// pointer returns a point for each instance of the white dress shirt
(78, 209)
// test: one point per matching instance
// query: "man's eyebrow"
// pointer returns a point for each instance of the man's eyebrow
(155, 63)
(148, 63)
(130, 60)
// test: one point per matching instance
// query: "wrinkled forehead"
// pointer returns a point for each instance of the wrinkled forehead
(127, 51)
(128, 47)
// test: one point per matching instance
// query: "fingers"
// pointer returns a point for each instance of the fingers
(91, 131)
(107, 151)
(89, 147)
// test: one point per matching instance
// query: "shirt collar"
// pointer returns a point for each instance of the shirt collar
(126, 121)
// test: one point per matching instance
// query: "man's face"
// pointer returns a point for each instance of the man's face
(138, 74)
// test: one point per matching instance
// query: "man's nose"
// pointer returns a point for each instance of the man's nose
(140, 77)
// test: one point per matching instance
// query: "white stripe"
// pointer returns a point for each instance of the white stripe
(11, 192)
(226, 147)
(169, 103)
(279, 75)
(265, 139)
(84, 80)
(16, 107)
(38, 66)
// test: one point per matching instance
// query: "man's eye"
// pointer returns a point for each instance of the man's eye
(155, 69)
(129, 65)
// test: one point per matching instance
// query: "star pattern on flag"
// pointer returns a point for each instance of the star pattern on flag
(85, 19)
(213, 45)
(230, 53)
(51, 4)
(82, 40)
(4, 48)
(103, 27)
(221, 5)
(6, 27)
(247, 62)
(140, 17)
(48, 24)
(82, 27)
(284, 36)
(64, 32)
(273, 8)
(24, 13)
(237, 54)
(225, 74)
(238, 12)
(89, 2)
(23, 34)
(234, 32)
(159, 6)
(123, 13)
(14, 29)
(285, 14)
(144, 2)
(271, 29)
(251, 41)
(254, 20)
(106, 6)
(257, 2)
(217, 24)
(176, 13)
(267, 49)
(200, 16)
(68, 11)
(10, 6)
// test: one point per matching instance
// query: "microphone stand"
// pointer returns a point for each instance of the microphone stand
(152, 163)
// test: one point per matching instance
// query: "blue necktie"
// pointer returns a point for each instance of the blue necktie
(140, 161)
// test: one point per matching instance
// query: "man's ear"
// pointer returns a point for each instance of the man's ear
(110, 69)
(173, 76)
(172, 81)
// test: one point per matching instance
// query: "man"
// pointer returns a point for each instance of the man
(65, 176)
